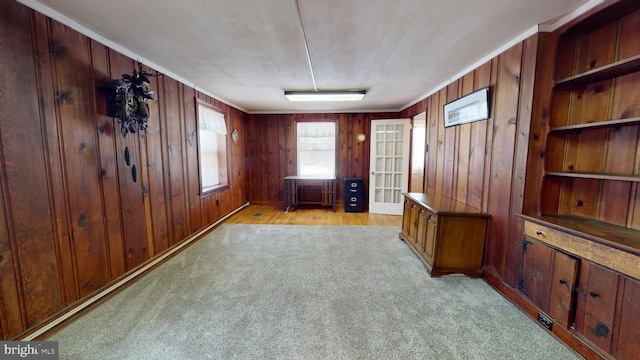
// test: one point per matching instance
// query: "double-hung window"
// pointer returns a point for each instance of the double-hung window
(212, 148)
(316, 148)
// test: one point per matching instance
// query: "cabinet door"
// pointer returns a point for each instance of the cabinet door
(562, 290)
(421, 230)
(629, 328)
(536, 273)
(596, 304)
(407, 222)
(430, 238)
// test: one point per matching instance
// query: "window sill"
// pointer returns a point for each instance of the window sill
(213, 190)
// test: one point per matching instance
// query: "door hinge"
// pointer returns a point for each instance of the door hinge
(426, 148)
(521, 286)
(525, 245)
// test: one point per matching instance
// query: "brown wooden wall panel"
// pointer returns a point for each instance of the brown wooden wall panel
(191, 159)
(464, 145)
(24, 179)
(503, 150)
(75, 105)
(72, 218)
(155, 188)
(450, 146)
(626, 101)
(131, 192)
(433, 126)
(106, 132)
(47, 94)
(602, 50)
(628, 44)
(438, 109)
(175, 158)
(516, 225)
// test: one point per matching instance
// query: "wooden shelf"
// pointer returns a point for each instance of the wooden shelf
(596, 176)
(618, 68)
(597, 124)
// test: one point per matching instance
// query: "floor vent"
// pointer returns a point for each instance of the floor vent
(258, 214)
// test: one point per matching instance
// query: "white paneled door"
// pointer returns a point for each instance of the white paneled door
(389, 165)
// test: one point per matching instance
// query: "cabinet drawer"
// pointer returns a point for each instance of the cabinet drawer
(612, 258)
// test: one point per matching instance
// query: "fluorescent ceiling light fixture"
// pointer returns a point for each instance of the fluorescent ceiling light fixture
(349, 95)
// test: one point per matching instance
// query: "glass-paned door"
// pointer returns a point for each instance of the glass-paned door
(389, 165)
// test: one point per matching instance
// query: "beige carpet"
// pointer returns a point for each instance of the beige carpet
(304, 292)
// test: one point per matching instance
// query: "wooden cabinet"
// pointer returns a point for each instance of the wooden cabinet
(447, 236)
(549, 280)
(584, 285)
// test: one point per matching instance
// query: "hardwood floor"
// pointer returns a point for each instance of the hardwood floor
(272, 214)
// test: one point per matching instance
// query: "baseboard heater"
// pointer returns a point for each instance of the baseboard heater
(66, 315)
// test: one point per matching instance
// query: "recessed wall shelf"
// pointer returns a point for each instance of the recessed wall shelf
(582, 175)
(606, 72)
(599, 124)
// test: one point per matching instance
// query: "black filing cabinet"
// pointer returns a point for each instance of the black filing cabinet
(353, 194)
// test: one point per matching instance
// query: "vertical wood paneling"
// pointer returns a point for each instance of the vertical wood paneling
(503, 148)
(602, 50)
(156, 186)
(432, 142)
(440, 141)
(175, 159)
(75, 95)
(482, 78)
(107, 130)
(628, 44)
(450, 146)
(464, 146)
(71, 217)
(273, 152)
(11, 319)
(611, 209)
(540, 110)
(131, 194)
(516, 225)
(46, 95)
(24, 180)
(191, 158)
(344, 135)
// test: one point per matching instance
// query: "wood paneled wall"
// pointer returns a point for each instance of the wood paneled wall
(72, 220)
(482, 164)
(272, 153)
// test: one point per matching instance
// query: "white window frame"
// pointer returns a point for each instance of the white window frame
(212, 148)
(302, 166)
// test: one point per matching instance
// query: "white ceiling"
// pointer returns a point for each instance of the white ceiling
(248, 52)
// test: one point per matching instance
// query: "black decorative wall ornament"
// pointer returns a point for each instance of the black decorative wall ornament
(127, 100)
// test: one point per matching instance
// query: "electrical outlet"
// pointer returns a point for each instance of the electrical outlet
(545, 321)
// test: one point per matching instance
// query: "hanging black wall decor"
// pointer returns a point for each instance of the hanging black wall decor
(127, 100)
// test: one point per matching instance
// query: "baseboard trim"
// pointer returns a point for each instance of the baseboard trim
(66, 315)
(558, 331)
